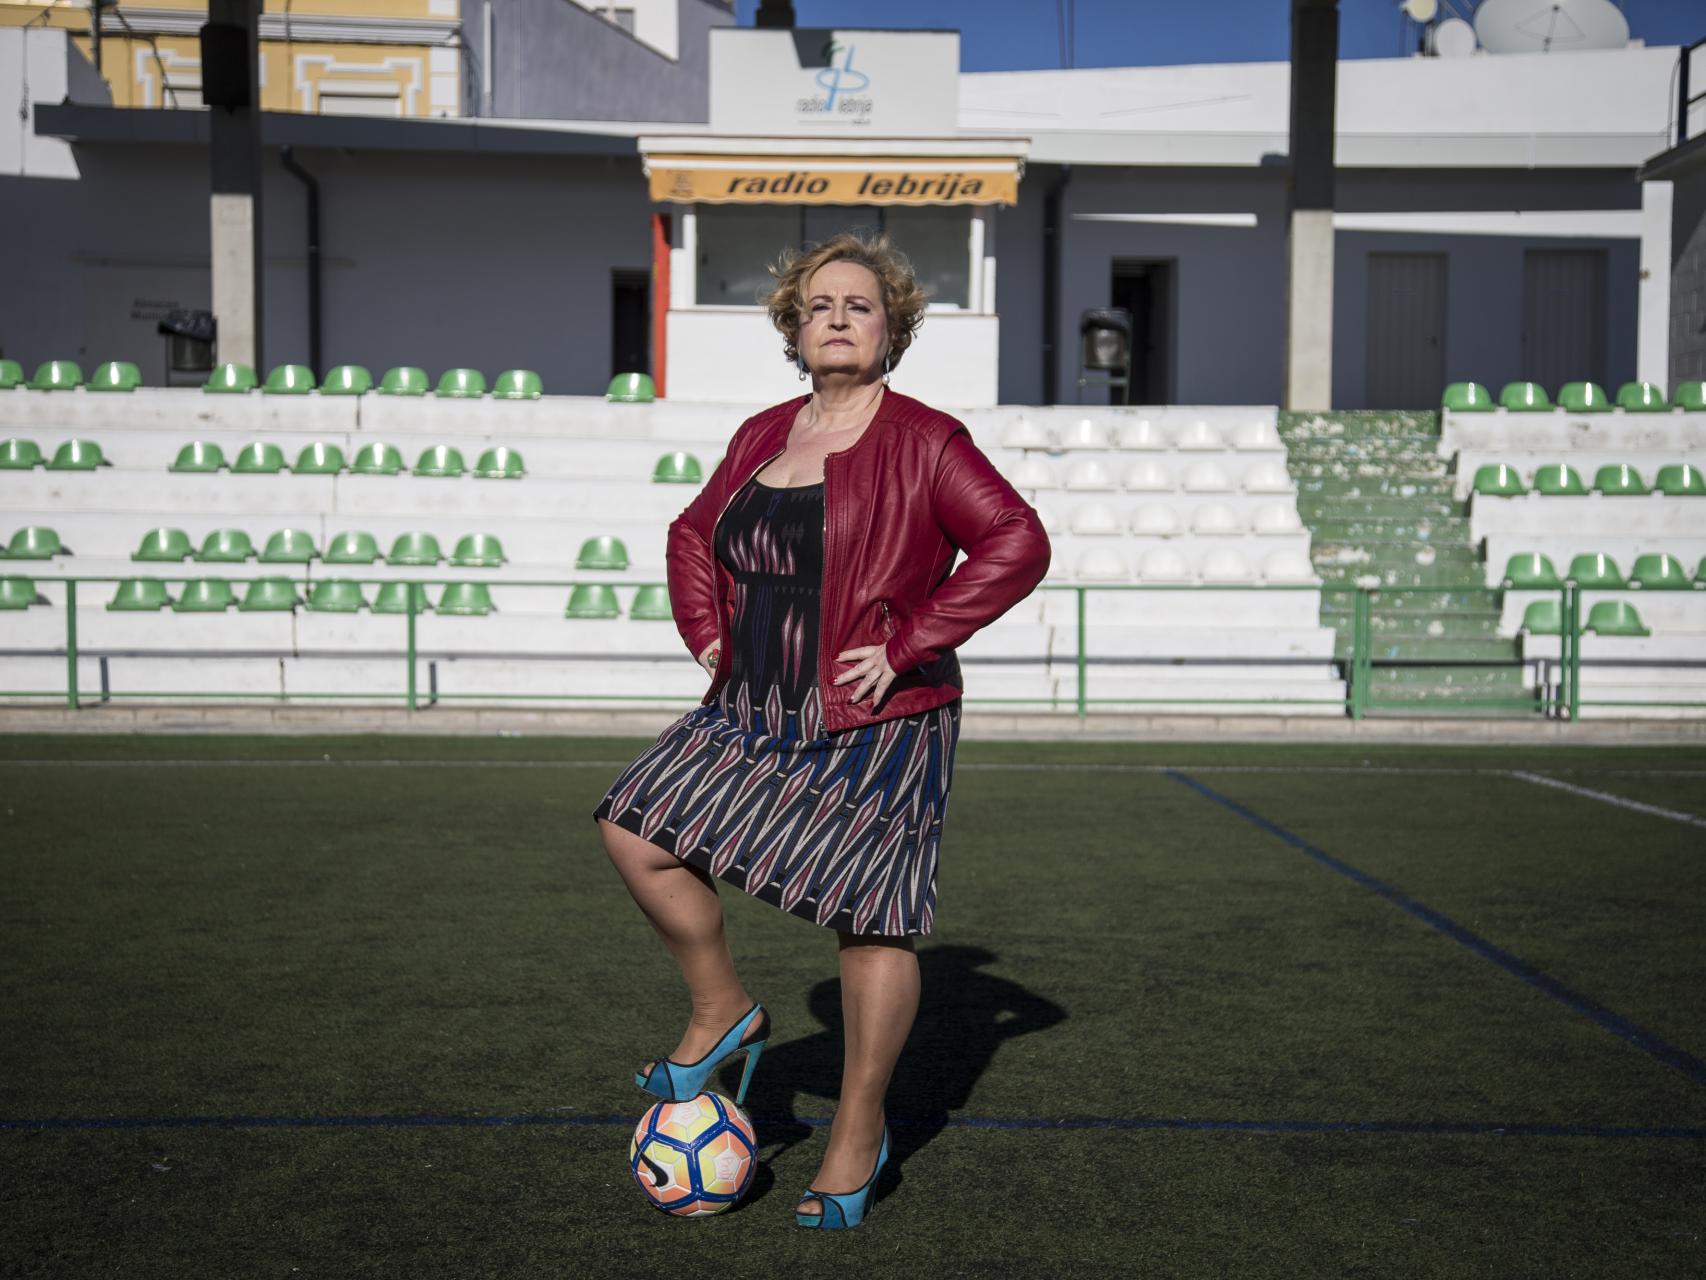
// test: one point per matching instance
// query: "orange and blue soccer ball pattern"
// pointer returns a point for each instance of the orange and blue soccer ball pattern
(694, 1158)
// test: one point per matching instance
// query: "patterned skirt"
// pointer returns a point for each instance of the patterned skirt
(841, 829)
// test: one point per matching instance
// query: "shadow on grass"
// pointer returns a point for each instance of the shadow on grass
(964, 1016)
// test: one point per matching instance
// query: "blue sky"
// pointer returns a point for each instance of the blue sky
(1023, 35)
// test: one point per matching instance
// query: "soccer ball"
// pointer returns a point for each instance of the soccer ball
(694, 1158)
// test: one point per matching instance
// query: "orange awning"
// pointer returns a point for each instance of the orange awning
(806, 179)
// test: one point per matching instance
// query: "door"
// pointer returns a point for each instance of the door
(1563, 316)
(1406, 330)
(630, 322)
(1145, 289)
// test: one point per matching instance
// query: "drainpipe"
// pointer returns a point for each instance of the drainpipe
(313, 258)
(1053, 200)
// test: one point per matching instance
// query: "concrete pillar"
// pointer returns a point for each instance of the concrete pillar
(1309, 310)
(1309, 204)
(229, 74)
(1652, 313)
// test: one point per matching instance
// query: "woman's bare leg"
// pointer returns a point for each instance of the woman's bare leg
(879, 999)
(681, 902)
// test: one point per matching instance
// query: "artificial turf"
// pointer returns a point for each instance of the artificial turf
(365, 1006)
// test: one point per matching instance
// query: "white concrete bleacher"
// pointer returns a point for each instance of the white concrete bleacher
(1560, 432)
(588, 474)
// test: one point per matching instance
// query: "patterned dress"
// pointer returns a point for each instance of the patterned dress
(841, 829)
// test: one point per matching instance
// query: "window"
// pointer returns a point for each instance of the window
(736, 243)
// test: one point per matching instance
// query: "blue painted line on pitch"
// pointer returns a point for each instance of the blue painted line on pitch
(1466, 1128)
(1615, 1023)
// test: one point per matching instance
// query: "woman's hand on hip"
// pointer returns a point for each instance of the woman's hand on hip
(871, 669)
(710, 658)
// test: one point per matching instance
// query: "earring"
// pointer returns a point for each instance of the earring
(886, 367)
(800, 362)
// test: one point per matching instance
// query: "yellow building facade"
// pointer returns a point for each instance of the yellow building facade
(344, 57)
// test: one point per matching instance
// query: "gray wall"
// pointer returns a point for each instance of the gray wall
(556, 61)
(1688, 276)
(1229, 338)
(429, 259)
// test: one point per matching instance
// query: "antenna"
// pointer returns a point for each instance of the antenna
(1562, 26)
(1453, 38)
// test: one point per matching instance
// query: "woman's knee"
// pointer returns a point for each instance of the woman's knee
(629, 852)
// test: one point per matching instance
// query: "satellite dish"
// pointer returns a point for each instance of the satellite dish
(1453, 38)
(1550, 26)
(1420, 10)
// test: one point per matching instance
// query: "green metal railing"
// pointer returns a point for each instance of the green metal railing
(1563, 701)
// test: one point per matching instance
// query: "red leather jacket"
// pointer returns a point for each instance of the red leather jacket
(898, 504)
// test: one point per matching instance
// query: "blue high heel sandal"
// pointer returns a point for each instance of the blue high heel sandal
(677, 1081)
(848, 1208)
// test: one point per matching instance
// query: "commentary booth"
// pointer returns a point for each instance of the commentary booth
(813, 132)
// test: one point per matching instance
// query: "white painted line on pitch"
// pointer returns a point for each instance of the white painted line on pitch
(1606, 796)
(974, 766)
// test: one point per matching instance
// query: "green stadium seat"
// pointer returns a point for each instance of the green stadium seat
(319, 460)
(139, 595)
(677, 468)
(1690, 396)
(11, 375)
(377, 460)
(415, 548)
(1583, 397)
(225, 546)
(651, 604)
(1531, 571)
(355, 547)
(1658, 571)
(604, 552)
(116, 375)
(1593, 569)
(1498, 480)
(347, 380)
(587, 600)
(1642, 397)
(518, 384)
(1525, 397)
(1467, 397)
(205, 595)
(393, 598)
(631, 388)
(20, 455)
(198, 458)
(467, 599)
(289, 380)
(1700, 573)
(78, 455)
(231, 379)
(1543, 618)
(1559, 479)
(19, 593)
(270, 595)
(57, 375)
(1614, 618)
(258, 459)
(164, 544)
(404, 380)
(500, 463)
(1619, 480)
(336, 595)
(478, 551)
(461, 384)
(441, 460)
(35, 542)
(289, 546)
(1680, 480)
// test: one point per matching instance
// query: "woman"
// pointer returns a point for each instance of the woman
(811, 578)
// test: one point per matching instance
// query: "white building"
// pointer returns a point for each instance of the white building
(1491, 224)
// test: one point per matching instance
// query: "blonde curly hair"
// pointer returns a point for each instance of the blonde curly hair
(902, 298)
